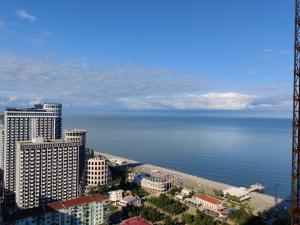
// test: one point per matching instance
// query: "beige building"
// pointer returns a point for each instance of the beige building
(97, 172)
(46, 171)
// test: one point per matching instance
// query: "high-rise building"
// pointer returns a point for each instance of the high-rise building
(44, 120)
(1, 161)
(80, 136)
(46, 171)
(97, 171)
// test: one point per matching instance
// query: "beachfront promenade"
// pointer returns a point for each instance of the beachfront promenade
(258, 201)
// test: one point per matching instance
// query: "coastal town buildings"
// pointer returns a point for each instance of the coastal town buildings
(210, 203)
(91, 210)
(23, 124)
(116, 195)
(46, 171)
(97, 171)
(129, 200)
(78, 135)
(185, 193)
(154, 183)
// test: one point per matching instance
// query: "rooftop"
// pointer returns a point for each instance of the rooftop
(39, 141)
(209, 199)
(136, 221)
(75, 202)
(53, 207)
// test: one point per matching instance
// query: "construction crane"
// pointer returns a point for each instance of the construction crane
(295, 192)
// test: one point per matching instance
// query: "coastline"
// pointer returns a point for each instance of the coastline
(260, 202)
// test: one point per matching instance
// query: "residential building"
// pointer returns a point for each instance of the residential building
(46, 171)
(1, 161)
(89, 210)
(115, 196)
(44, 120)
(97, 171)
(137, 220)
(209, 203)
(155, 182)
(129, 200)
(185, 193)
(79, 135)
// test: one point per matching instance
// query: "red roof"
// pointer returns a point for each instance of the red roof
(136, 221)
(209, 199)
(55, 206)
(77, 201)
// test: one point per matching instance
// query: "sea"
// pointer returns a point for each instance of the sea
(231, 149)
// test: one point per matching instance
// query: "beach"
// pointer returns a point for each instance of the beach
(258, 201)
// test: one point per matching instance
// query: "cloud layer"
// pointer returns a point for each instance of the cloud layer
(23, 14)
(25, 81)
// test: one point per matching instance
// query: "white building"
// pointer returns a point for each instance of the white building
(210, 203)
(240, 193)
(97, 171)
(154, 183)
(115, 196)
(46, 171)
(183, 194)
(79, 135)
(1, 161)
(129, 200)
(89, 210)
(44, 120)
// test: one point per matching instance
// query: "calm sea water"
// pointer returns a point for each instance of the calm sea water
(238, 151)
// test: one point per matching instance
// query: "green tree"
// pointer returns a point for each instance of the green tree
(187, 218)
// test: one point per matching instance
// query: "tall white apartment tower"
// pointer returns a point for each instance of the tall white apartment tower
(44, 120)
(1, 160)
(46, 171)
(78, 135)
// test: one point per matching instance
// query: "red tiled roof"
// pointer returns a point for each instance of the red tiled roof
(136, 221)
(55, 206)
(77, 201)
(208, 199)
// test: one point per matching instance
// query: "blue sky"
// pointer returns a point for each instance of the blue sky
(216, 55)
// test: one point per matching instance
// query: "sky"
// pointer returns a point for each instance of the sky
(148, 55)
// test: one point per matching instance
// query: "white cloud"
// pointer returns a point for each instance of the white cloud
(35, 101)
(212, 101)
(285, 51)
(76, 83)
(2, 24)
(23, 14)
(267, 52)
(40, 38)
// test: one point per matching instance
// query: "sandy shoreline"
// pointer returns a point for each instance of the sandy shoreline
(260, 202)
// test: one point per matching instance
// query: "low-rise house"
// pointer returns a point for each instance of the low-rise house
(210, 203)
(185, 193)
(130, 200)
(115, 196)
(90, 210)
(137, 220)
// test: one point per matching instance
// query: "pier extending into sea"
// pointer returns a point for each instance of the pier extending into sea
(258, 201)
